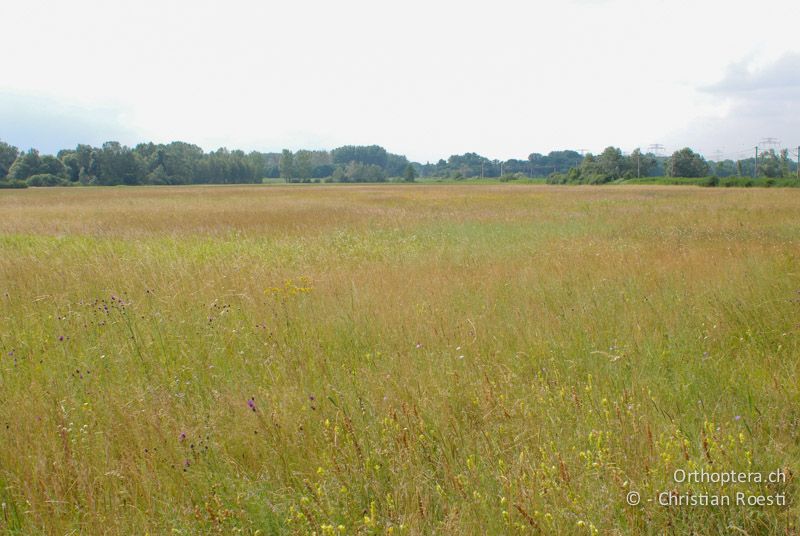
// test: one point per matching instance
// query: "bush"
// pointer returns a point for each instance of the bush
(512, 177)
(45, 179)
(12, 184)
(711, 181)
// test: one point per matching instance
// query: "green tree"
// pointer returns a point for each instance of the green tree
(769, 165)
(8, 153)
(784, 162)
(287, 165)
(371, 154)
(410, 174)
(612, 163)
(641, 165)
(686, 163)
(44, 179)
(26, 165)
(52, 166)
(303, 165)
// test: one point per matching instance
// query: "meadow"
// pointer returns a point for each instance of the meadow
(396, 359)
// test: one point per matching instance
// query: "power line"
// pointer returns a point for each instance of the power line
(770, 142)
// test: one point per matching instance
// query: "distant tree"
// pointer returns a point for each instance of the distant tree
(53, 166)
(84, 178)
(612, 163)
(118, 164)
(180, 161)
(357, 172)
(784, 155)
(769, 165)
(302, 165)
(339, 175)
(322, 171)
(554, 162)
(641, 164)
(370, 154)
(157, 176)
(26, 165)
(725, 168)
(287, 165)
(8, 153)
(396, 165)
(45, 179)
(409, 174)
(470, 165)
(686, 163)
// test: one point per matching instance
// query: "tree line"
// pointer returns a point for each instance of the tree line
(612, 165)
(184, 163)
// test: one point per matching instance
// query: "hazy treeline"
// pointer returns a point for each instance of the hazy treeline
(184, 163)
(613, 165)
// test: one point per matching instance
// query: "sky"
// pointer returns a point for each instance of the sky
(426, 79)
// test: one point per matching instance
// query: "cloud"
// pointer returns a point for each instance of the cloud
(758, 103)
(777, 77)
(50, 124)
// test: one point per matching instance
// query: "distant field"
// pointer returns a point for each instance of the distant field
(411, 359)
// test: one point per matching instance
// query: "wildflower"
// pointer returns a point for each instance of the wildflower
(251, 403)
(419, 345)
(182, 437)
(738, 417)
(61, 338)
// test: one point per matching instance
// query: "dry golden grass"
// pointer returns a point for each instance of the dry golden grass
(421, 359)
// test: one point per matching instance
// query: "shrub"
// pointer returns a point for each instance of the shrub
(45, 179)
(12, 184)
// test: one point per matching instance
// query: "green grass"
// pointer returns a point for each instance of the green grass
(488, 359)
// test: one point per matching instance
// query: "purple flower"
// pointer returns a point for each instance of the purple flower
(61, 338)
(738, 417)
(251, 403)
(182, 437)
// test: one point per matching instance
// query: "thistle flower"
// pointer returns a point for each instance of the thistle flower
(251, 403)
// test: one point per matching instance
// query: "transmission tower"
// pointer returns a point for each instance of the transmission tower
(655, 148)
(770, 143)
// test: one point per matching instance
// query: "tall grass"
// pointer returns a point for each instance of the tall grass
(395, 359)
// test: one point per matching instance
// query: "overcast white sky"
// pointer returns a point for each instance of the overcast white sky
(422, 78)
